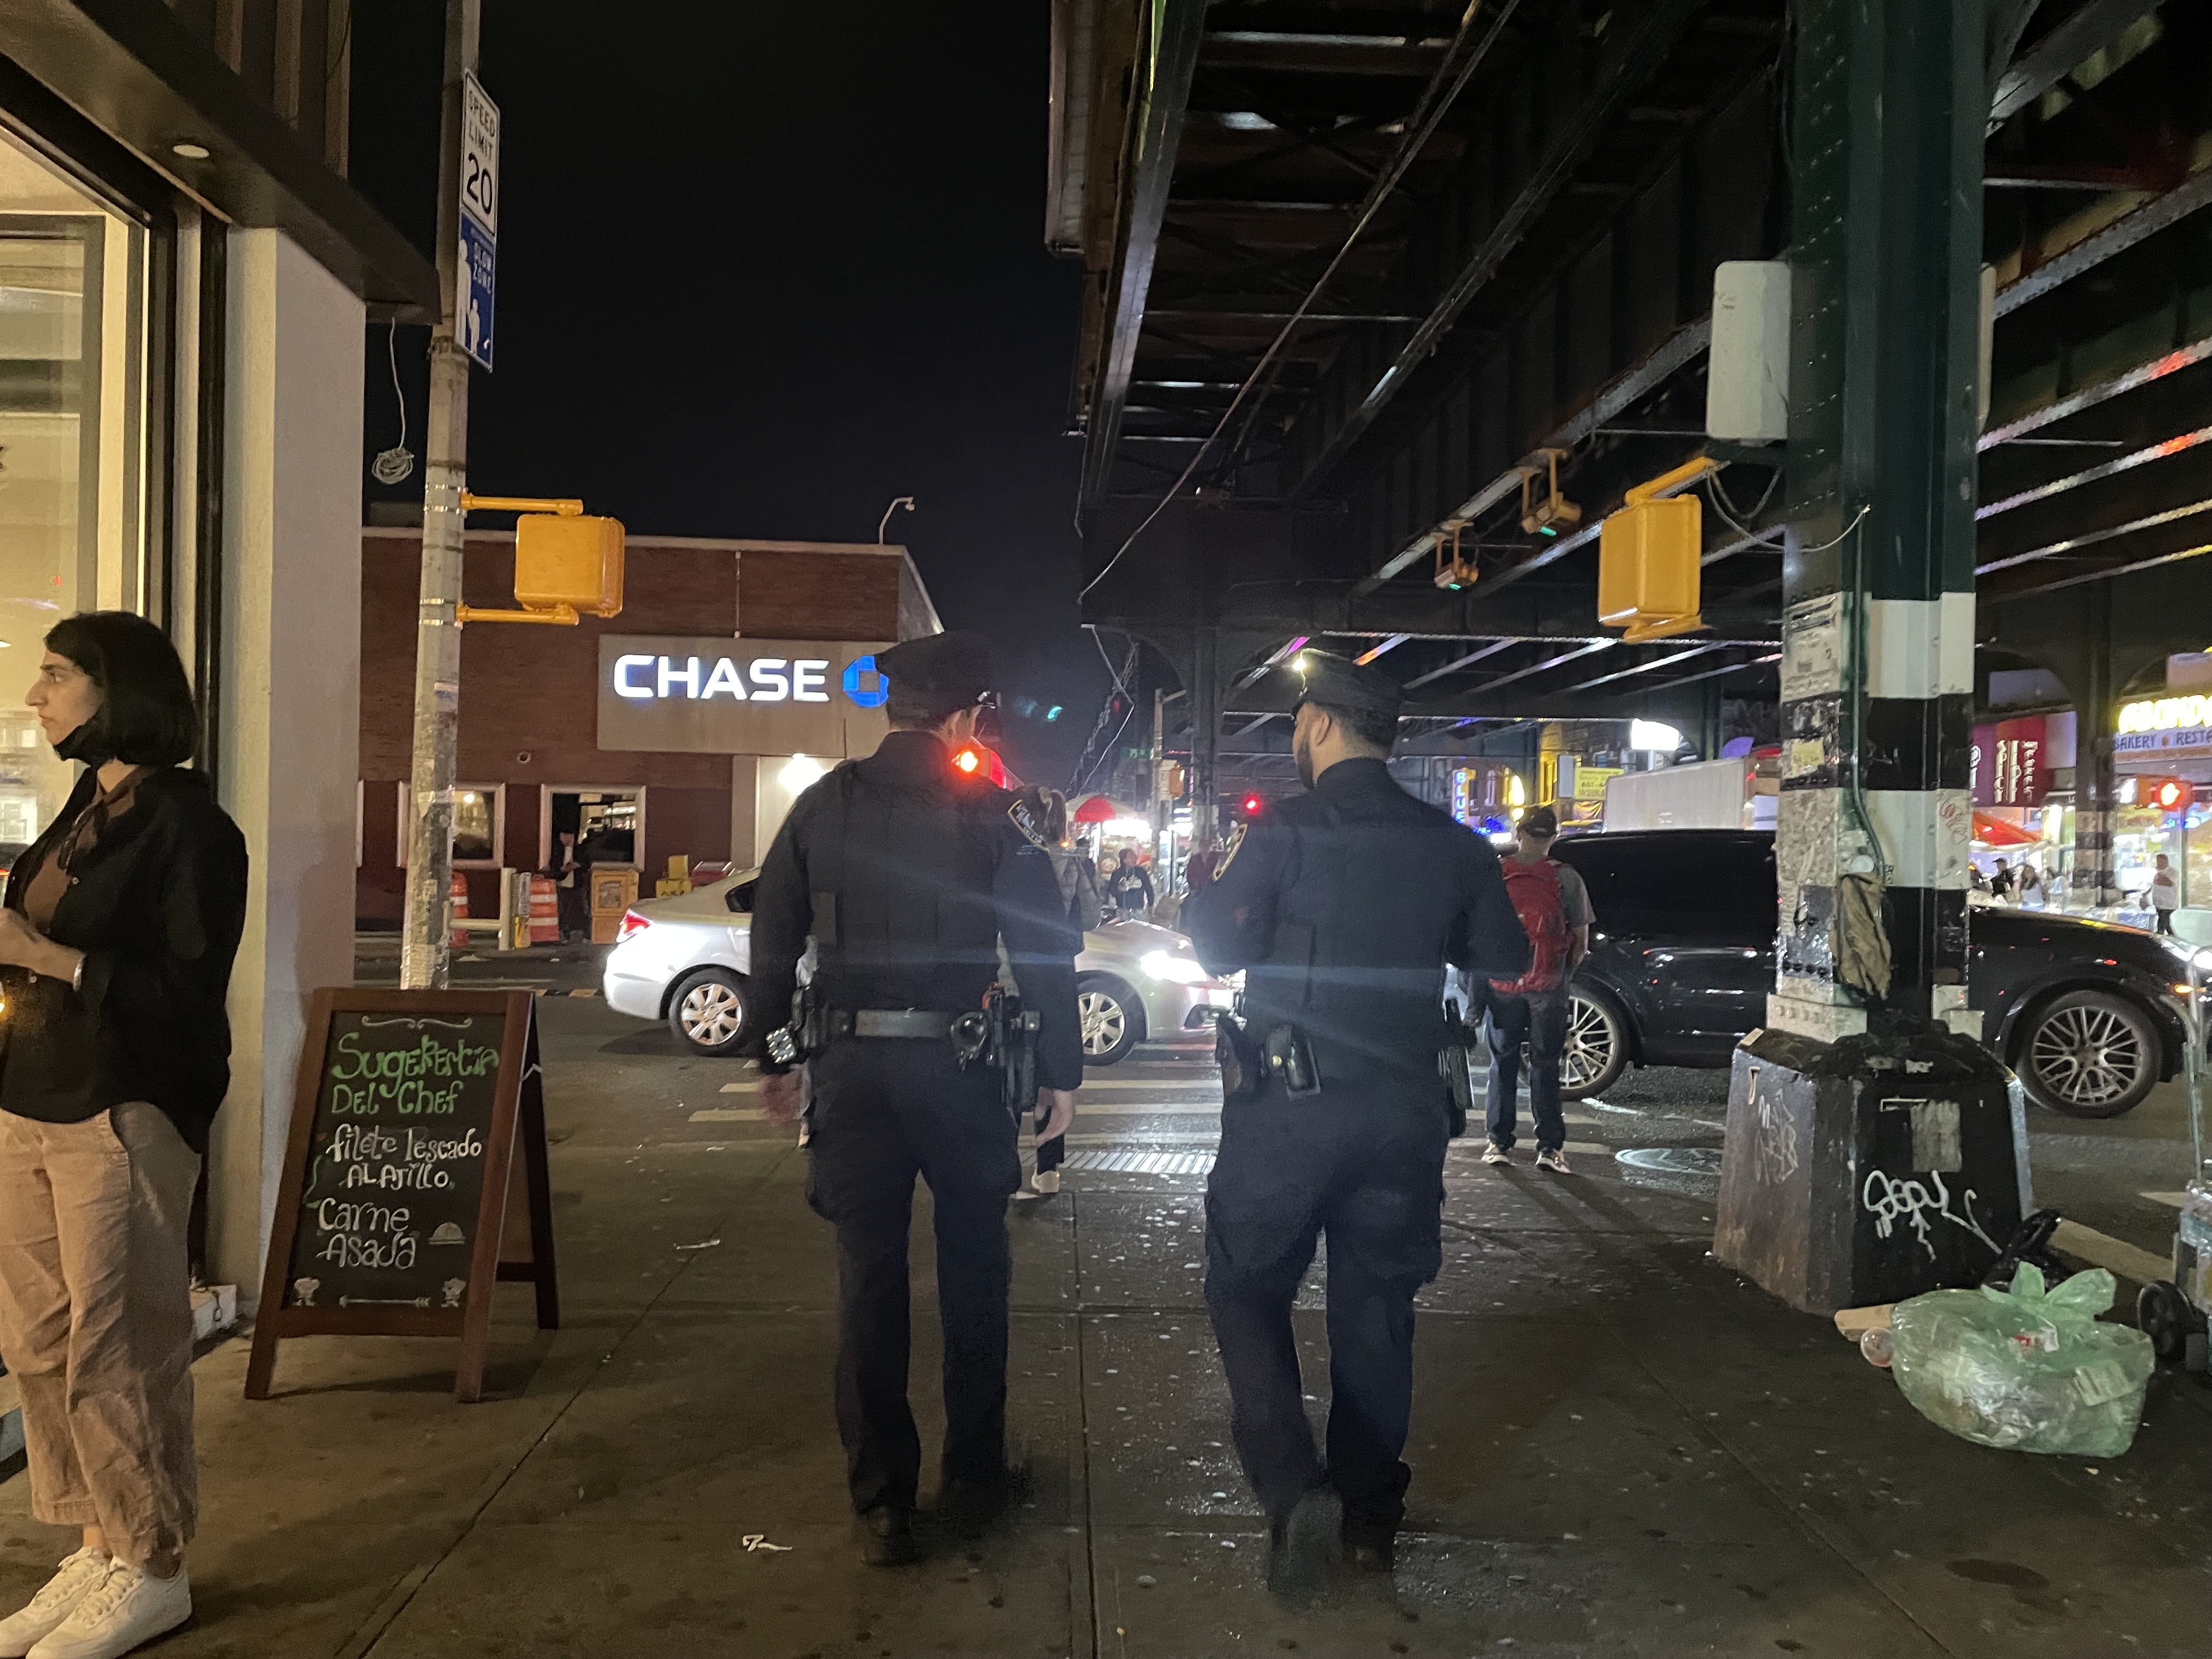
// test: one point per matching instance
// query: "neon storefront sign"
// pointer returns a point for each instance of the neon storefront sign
(2166, 714)
(640, 678)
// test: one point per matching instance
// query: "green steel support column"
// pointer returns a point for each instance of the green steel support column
(1892, 101)
(1873, 1144)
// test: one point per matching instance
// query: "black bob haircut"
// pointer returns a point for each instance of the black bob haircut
(146, 715)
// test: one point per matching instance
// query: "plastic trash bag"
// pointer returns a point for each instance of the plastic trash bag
(2024, 1368)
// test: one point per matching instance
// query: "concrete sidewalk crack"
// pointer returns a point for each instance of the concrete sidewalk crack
(371, 1631)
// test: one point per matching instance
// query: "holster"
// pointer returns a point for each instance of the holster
(1242, 1066)
(1011, 1049)
(1290, 1057)
(1456, 1060)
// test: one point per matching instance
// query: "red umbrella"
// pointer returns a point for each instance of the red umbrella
(1992, 831)
(1097, 809)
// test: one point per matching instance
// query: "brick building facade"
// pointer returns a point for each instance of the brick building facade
(530, 696)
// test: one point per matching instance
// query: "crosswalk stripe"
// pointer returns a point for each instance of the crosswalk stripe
(1133, 1109)
(1151, 1083)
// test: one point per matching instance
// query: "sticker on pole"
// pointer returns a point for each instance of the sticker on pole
(478, 255)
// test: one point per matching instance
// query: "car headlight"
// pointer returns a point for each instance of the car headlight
(1179, 970)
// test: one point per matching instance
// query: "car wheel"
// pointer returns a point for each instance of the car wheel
(1113, 1019)
(707, 1011)
(1596, 1051)
(2088, 1053)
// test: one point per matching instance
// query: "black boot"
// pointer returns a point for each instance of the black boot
(1303, 1545)
(887, 1538)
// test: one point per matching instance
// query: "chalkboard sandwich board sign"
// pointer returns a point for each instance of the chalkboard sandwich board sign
(397, 1216)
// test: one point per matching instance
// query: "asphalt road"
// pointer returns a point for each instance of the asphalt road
(2119, 1179)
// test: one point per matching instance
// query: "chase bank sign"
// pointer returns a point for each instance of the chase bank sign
(720, 695)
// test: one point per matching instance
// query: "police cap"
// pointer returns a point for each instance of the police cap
(1334, 683)
(941, 672)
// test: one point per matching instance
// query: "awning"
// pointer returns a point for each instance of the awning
(140, 75)
(1992, 831)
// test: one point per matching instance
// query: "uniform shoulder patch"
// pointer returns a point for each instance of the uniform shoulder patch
(1229, 852)
(1025, 819)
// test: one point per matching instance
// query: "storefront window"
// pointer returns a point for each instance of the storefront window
(72, 435)
(476, 825)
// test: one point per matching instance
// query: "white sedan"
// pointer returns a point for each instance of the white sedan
(689, 960)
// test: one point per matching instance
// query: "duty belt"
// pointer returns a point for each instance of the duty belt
(913, 1023)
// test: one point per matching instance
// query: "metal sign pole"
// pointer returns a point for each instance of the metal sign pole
(424, 949)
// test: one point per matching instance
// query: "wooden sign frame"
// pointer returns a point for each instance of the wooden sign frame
(517, 1121)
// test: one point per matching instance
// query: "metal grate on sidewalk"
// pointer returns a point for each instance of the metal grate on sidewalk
(1158, 1163)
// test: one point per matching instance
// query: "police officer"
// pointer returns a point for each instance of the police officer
(906, 873)
(1341, 906)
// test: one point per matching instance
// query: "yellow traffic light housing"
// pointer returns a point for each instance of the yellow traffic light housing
(566, 562)
(1649, 559)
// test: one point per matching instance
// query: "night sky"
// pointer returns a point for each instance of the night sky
(763, 267)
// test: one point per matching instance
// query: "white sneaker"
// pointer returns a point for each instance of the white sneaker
(1047, 1181)
(1494, 1153)
(72, 1581)
(1555, 1161)
(126, 1609)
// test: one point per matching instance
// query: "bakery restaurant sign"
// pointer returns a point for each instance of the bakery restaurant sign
(2165, 726)
(715, 694)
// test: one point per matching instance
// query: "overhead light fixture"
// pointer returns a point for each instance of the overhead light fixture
(189, 151)
(1653, 738)
(801, 772)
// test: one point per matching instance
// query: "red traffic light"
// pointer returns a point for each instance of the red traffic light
(2172, 794)
(1251, 805)
(967, 761)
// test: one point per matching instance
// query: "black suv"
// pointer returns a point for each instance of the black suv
(2089, 1013)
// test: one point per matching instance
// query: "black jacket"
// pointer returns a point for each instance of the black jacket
(1341, 906)
(157, 906)
(906, 875)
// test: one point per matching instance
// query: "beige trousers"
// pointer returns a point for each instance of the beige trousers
(96, 1323)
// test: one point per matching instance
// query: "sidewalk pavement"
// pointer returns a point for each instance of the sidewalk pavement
(1619, 1449)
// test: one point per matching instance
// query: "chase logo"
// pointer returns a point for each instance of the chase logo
(866, 684)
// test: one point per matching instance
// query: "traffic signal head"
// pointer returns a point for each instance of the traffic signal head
(967, 761)
(2172, 794)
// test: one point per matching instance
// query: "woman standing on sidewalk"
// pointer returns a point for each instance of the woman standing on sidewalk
(117, 936)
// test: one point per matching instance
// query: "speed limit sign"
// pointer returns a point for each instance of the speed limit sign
(477, 256)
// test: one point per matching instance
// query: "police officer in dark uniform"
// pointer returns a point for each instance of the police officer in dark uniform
(905, 874)
(1341, 906)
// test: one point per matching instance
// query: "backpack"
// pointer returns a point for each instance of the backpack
(1534, 891)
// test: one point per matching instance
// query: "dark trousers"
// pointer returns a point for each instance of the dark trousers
(1365, 1167)
(884, 1112)
(573, 906)
(2165, 922)
(1541, 1022)
(1051, 1154)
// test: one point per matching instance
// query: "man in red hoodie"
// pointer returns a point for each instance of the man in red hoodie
(1554, 908)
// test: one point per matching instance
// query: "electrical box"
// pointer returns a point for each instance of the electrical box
(1648, 568)
(1747, 377)
(568, 559)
